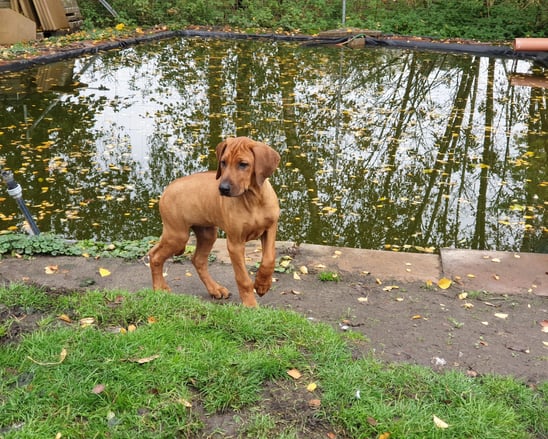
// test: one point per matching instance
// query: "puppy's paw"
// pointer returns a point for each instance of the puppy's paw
(262, 285)
(219, 292)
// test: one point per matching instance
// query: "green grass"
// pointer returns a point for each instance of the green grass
(219, 358)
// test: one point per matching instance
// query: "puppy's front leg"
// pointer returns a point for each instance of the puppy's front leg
(263, 280)
(236, 250)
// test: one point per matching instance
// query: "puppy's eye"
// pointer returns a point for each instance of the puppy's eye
(223, 163)
(243, 165)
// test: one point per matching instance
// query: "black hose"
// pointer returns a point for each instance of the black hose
(15, 190)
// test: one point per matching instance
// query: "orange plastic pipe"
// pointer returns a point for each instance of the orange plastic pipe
(531, 44)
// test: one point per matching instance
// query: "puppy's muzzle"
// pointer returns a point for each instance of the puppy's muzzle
(224, 188)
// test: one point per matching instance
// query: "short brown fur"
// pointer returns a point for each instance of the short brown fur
(237, 198)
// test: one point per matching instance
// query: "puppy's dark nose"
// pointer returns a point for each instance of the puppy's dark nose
(224, 189)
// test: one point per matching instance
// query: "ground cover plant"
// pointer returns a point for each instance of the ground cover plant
(153, 364)
(487, 20)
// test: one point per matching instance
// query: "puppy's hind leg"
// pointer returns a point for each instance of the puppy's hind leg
(158, 256)
(205, 238)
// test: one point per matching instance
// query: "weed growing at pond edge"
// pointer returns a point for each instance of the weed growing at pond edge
(46, 243)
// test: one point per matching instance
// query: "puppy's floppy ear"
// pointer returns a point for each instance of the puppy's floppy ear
(266, 161)
(219, 152)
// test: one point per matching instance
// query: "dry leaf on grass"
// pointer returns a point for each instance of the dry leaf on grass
(99, 388)
(143, 360)
(440, 423)
(62, 357)
(65, 318)
(314, 403)
(294, 373)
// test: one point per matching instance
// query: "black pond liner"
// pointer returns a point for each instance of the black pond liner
(540, 58)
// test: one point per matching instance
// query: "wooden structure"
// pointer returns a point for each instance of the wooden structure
(21, 19)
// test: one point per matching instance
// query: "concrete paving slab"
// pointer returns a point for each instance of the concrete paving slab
(497, 272)
(385, 265)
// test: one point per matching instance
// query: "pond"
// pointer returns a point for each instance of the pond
(381, 148)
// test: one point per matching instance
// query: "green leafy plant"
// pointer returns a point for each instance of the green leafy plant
(46, 243)
(329, 276)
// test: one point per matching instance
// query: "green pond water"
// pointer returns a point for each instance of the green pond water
(381, 148)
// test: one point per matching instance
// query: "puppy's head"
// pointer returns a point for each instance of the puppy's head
(243, 163)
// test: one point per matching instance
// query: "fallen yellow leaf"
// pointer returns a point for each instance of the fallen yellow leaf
(87, 321)
(65, 318)
(444, 283)
(440, 423)
(104, 272)
(311, 387)
(185, 403)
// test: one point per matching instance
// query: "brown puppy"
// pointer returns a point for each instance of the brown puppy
(239, 199)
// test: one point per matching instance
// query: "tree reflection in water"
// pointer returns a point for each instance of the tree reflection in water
(381, 148)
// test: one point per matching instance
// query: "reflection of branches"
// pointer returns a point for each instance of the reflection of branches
(394, 149)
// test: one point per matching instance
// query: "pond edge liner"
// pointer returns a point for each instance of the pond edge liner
(387, 41)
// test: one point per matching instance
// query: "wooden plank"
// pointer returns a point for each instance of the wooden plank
(27, 8)
(14, 4)
(51, 14)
